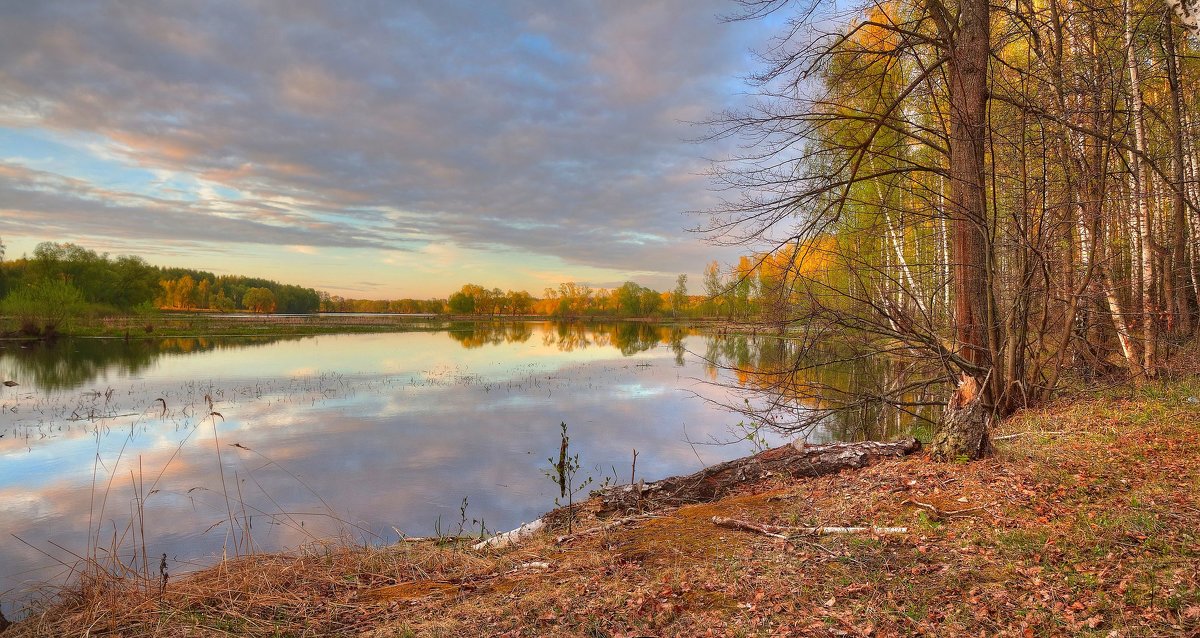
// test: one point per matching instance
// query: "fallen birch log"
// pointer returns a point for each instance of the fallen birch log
(779, 531)
(712, 483)
(511, 537)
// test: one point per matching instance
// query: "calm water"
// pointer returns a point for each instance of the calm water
(365, 436)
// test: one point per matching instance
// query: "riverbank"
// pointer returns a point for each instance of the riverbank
(1083, 523)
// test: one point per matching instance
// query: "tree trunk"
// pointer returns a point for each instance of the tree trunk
(715, 482)
(1180, 304)
(1140, 195)
(971, 242)
(966, 425)
(1193, 193)
(968, 67)
(1095, 238)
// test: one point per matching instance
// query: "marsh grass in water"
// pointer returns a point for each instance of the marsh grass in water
(115, 555)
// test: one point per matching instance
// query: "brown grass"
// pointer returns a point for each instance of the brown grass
(1089, 531)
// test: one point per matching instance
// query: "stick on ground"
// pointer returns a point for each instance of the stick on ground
(778, 531)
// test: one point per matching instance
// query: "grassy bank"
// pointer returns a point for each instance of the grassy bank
(1084, 523)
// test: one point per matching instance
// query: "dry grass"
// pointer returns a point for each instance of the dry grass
(314, 591)
(1088, 527)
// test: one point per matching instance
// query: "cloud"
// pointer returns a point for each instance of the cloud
(551, 128)
(40, 202)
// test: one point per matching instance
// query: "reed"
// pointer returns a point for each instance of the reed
(116, 562)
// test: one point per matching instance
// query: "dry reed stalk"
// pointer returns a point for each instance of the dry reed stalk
(257, 595)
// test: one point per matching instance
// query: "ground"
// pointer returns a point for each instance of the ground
(1084, 523)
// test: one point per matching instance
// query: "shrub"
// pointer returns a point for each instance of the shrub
(42, 308)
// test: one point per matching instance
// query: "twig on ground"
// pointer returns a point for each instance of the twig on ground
(605, 527)
(1007, 437)
(537, 564)
(941, 513)
(438, 539)
(778, 531)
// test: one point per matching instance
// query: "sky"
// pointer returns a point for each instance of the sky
(372, 149)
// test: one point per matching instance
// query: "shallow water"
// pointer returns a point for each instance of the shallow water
(220, 446)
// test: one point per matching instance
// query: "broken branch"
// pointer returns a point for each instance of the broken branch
(778, 531)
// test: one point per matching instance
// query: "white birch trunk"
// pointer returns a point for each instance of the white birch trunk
(1145, 221)
(1115, 309)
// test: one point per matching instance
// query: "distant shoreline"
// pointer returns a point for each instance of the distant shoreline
(206, 324)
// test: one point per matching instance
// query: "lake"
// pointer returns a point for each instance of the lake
(202, 447)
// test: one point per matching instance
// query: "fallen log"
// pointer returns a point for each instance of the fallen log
(712, 483)
(779, 531)
(511, 537)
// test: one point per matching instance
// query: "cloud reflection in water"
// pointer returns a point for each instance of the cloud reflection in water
(390, 431)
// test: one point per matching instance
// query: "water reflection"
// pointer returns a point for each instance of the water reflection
(67, 364)
(825, 392)
(365, 434)
(471, 334)
(627, 337)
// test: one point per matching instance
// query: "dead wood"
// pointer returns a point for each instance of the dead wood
(605, 527)
(938, 513)
(966, 424)
(780, 531)
(512, 537)
(713, 483)
(1008, 437)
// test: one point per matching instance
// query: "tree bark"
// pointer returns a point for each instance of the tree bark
(966, 425)
(970, 242)
(715, 482)
(1181, 304)
(975, 329)
(1141, 194)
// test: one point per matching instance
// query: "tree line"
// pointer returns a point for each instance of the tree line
(76, 279)
(575, 299)
(68, 278)
(185, 289)
(569, 299)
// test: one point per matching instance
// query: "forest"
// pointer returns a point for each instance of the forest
(1007, 191)
(100, 284)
